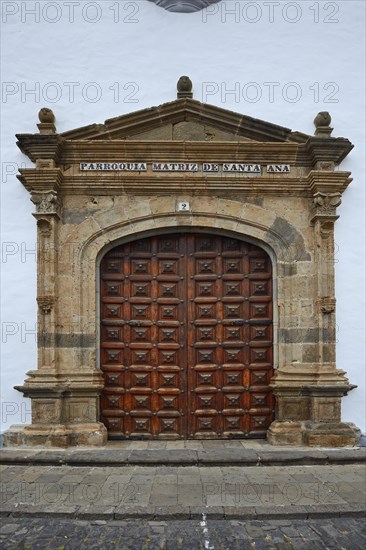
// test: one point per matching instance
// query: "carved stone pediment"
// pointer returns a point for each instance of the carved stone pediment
(185, 119)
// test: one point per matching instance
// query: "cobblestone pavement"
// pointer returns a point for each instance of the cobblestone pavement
(61, 534)
(177, 492)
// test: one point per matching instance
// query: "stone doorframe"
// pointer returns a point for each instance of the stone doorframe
(80, 215)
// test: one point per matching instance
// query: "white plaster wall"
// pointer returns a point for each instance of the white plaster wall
(135, 52)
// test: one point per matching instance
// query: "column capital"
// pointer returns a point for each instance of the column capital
(325, 206)
(47, 203)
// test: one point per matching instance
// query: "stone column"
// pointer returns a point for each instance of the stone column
(64, 411)
(324, 426)
(323, 219)
(309, 395)
(47, 216)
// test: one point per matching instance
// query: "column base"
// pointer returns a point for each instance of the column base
(59, 435)
(65, 410)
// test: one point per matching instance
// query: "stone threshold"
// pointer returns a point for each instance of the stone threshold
(216, 456)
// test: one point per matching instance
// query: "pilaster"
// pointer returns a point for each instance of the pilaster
(309, 395)
(65, 407)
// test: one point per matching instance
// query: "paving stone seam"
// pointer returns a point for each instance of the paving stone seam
(183, 462)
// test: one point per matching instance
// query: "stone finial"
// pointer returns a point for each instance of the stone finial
(184, 87)
(322, 124)
(46, 115)
(47, 121)
(184, 6)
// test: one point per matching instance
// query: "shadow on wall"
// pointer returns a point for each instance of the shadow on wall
(184, 6)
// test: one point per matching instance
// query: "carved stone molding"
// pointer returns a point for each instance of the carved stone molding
(327, 204)
(44, 227)
(327, 304)
(45, 164)
(46, 203)
(46, 303)
(326, 228)
(325, 207)
(325, 165)
(184, 6)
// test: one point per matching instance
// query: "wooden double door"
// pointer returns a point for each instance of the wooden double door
(186, 338)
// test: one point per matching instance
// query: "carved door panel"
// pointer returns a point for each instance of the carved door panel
(186, 338)
(142, 352)
(229, 339)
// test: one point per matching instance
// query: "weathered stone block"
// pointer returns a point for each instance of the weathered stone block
(286, 433)
(292, 408)
(332, 434)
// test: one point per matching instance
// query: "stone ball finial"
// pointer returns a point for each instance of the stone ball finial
(46, 115)
(184, 84)
(184, 87)
(322, 119)
(184, 6)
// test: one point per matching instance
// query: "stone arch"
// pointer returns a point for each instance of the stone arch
(102, 239)
(246, 221)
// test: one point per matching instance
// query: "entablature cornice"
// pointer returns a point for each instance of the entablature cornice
(182, 184)
(39, 146)
(41, 180)
(112, 183)
(170, 151)
(317, 150)
(142, 184)
(327, 149)
(321, 181)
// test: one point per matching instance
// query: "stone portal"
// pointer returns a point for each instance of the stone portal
(186, 168)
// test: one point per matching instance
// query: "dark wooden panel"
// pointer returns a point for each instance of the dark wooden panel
(186, 338)
(144, 313)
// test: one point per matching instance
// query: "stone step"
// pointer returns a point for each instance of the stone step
(183, 457)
